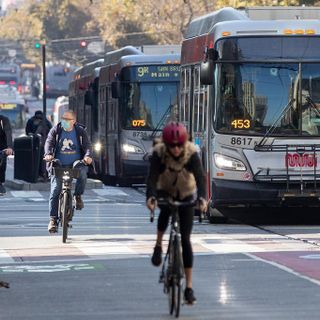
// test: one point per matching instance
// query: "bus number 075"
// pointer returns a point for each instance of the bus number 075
(239, 141)
(138, 123)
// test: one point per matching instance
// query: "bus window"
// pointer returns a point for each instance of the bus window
(185, 95)
(145, 103)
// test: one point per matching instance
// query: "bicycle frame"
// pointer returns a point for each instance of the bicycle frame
(172, 271)
(66, 207)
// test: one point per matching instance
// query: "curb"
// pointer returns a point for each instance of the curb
(45, 186)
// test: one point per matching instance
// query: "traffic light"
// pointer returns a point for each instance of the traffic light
(83, 43)
(37, 45)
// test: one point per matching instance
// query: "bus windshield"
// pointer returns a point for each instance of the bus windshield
(16, 114)
(253, 97)
(144, 104)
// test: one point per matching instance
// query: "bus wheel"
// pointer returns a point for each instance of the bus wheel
(109, 180)
(215, 216)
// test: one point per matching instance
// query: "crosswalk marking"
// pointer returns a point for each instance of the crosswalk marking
(5, 257)
(26, 194)
(84, 247)
(110, 191)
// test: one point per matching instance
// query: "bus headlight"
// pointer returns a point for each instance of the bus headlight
(228, 163)
(97, 147)
(130, 148)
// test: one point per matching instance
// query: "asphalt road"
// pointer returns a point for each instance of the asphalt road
(255, 270)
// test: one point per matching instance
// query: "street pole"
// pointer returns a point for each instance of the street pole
(44, 81)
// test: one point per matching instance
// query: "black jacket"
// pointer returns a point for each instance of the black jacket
(54, 137)
(5, 133)
(37, 124)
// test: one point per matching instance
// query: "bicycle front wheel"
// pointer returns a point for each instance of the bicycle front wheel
(65, 208)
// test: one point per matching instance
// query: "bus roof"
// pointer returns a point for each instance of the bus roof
(113, 57)
(149, 59)
(88, 68)
(130, 55)
(255, 17)
(265, 27)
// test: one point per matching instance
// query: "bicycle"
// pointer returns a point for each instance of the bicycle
(172, 271)
(66, 207)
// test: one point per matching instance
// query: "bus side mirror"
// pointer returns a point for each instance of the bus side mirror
(207, 66)
(115, 90)
(206, 72)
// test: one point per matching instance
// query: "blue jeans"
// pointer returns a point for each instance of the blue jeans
(56, 187)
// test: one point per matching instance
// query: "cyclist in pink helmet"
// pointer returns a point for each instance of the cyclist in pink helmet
(176, 170)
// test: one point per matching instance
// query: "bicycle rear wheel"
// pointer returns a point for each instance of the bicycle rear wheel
(65, 208)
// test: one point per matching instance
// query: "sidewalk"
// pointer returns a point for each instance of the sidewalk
(15, 184)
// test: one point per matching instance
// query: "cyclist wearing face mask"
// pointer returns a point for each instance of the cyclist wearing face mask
(68, 142)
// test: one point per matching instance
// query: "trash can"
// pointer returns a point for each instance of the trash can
(26, 158)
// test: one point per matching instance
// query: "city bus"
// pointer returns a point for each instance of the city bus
(250, 98)
(130, 97)
(12, 105)
(58, 77)
(10, 75)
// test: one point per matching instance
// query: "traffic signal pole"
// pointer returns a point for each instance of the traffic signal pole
(44, 81)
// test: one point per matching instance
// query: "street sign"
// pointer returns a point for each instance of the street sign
(96, 47)
(12, 53)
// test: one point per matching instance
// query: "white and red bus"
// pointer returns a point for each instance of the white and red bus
(249, 93)
(124, 101)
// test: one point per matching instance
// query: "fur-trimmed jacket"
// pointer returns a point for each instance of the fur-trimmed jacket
(179, 177)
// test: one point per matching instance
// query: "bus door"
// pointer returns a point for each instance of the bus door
(185, 96)
(102, 131)
(200, 116)
(88, 120)
(112, 133)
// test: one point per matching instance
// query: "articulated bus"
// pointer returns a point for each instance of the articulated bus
(126, 101)
(250, 95)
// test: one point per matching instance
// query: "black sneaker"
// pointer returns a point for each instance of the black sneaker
(78, 202)
(3, 190)
(53, 225)
(157, 256)
(189, 297)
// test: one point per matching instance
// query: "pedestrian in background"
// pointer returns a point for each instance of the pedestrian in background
(5, 149)
(40, 126)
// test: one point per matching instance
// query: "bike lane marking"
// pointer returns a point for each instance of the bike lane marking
(50, 268)
(299, 263)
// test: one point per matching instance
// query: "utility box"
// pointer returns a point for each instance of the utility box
(27, 158)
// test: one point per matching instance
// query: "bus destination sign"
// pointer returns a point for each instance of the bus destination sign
(7, 106)
(156, 73)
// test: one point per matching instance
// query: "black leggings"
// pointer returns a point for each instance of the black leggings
(186, 222)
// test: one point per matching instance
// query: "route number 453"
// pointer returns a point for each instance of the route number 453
(241, 124)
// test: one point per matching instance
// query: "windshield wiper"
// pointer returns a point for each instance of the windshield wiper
(274, 125)
(164, 116)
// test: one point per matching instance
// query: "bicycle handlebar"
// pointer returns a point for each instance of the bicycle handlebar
(176, 203)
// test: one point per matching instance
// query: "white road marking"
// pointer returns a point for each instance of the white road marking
(26, 194)
(110, 191)
(5, 257)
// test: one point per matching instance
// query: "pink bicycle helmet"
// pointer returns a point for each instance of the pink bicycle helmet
(174, 133)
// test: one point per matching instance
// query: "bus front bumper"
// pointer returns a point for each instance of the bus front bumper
(135, 170)
(239, 193)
